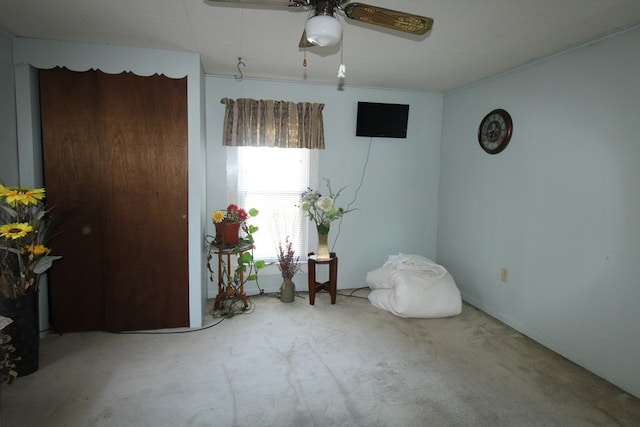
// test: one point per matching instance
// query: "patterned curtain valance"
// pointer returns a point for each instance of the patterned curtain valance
(266, 123)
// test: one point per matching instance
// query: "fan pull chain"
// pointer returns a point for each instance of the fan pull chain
(304, 61)
(342, 69)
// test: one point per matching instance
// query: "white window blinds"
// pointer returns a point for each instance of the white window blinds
(272, 180)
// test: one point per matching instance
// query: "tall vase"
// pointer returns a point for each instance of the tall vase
(24, 331)
(227, 233)
(322, 253)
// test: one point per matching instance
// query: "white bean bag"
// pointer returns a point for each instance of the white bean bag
(414, 286)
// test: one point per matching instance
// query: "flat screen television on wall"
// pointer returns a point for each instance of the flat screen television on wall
(381, 120)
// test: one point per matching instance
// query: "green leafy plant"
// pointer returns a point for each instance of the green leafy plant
(247, 267)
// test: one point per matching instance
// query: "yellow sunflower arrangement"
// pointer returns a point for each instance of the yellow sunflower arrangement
(24, 255)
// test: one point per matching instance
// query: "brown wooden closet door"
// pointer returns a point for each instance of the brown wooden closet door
(115, 165)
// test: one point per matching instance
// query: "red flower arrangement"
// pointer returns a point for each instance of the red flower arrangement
(233, 214)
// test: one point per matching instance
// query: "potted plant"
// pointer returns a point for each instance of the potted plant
(289, 265)
(24, 257)
(239, 244)
(322, 211)
(228, 224)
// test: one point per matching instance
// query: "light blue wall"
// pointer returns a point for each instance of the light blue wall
(560, 208)
(9, 158)
(397, 203)
(8, 138)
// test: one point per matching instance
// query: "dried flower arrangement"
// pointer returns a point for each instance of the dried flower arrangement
(288, 263)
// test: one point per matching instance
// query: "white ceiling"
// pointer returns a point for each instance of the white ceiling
(470, 39)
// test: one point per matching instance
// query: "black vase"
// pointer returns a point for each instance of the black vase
(24, 331)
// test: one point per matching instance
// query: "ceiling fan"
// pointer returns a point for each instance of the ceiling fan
(323, 28)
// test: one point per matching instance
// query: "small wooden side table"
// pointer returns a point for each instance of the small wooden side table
(229, 290)
(331, 285)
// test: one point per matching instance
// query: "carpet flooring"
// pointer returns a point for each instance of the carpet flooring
(348, 364)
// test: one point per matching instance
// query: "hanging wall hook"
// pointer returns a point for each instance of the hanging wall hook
(239, 78)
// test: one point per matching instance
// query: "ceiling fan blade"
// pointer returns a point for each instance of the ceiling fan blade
(271, 4)
(304, 42)
(399, 21)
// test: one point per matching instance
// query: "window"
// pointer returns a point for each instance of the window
(271, 180)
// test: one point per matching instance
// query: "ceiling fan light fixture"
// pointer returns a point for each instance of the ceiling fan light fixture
(323, 30)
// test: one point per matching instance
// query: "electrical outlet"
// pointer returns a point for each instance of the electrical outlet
(504, 275)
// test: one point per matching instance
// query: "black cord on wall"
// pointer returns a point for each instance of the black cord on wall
(355, 196)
